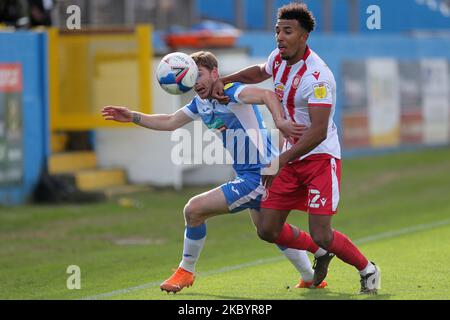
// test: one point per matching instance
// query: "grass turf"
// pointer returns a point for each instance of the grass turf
(123, 244)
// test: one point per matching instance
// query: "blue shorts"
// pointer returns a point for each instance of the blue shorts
(245, 192)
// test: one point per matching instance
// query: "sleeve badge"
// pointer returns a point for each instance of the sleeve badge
(320, 91)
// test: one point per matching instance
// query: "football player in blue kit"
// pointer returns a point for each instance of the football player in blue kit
(241, 128)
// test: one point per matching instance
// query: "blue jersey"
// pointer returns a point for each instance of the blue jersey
(240, 127)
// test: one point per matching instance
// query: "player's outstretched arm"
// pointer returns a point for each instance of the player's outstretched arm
(251, 75)
(255, 95)
(160, 122)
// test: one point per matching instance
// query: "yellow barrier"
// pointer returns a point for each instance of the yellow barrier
(90, 69)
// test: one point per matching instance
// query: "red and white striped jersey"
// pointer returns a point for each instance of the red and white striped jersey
(307, 84)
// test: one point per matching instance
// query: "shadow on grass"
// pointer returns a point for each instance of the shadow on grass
(217, 296)
(322, 294)
(326, 294)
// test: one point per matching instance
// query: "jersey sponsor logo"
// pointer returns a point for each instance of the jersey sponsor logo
(279, 90)
(320, 91)
(316, 74)
(217, 124)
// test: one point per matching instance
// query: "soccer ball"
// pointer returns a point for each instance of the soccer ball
(177, 73)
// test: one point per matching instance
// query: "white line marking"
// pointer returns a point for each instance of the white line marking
(396, 233)
(376, 237)
(202, 274)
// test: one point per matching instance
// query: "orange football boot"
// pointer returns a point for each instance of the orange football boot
(180, 279)
(309, 285)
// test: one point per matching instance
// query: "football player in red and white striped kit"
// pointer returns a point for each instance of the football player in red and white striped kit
(310, 167)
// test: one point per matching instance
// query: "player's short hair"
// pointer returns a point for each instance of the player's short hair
(298, 11)
(205, 59)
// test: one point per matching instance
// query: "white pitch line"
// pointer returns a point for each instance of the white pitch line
(373, 238)
(408, 230)
(202, 274)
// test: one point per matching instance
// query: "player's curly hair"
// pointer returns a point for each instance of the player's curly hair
(205, 59)
(298, 11)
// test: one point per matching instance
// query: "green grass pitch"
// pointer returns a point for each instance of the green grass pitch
(395, 207)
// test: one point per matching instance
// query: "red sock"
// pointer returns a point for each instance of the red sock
(345, 250)
(302, 241)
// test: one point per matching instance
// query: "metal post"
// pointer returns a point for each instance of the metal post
(129, 12)
(327, 14)
(238, 10)
(270, 9)
(193, 14)
(353, 7)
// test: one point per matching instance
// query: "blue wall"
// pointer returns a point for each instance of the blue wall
(404, 16)
(216, 10)
(396, 15)
(29, 49)
(255, 15)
